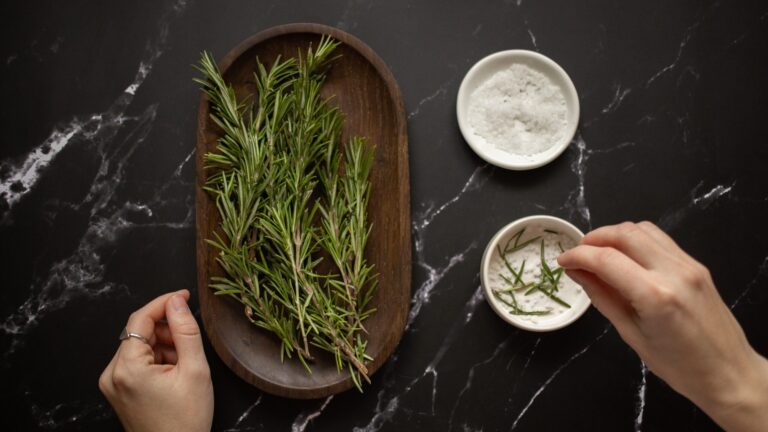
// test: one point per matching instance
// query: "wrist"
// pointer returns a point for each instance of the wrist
(741, 406)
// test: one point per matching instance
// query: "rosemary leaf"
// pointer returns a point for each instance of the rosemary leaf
(287, 192)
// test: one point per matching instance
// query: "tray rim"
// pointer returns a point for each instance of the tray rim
(201, 196)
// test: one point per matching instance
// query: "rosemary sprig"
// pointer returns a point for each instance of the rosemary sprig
(288, 192)
(519, 286)
(515, 242)
(515, 309)
(549, 280)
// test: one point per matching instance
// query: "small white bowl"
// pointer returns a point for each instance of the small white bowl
(547, 324)
(484, 70)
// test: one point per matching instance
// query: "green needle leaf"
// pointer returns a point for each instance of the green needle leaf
(291, 197)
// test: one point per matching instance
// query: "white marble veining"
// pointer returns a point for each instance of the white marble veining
(688, 34)
(576, 204)
(471, 306)
(114, 157)
(435, 274)
(67, 413)
(238, 426)
(528, 359)
(77, 273)
(577, 200)
(23, 174)
(681, 47)
(477, 30)
(385, 409)
(424, 292)
(641, 390)
(81, 274)
(640, 407)
(554, 375)
(531, 35)
(669, 221)
(749, 30)
(301, 422)
(389, 401)
(411, 384)
(703, 201)
(619, 94)
(439, 94)
(759, 276)
(471, 376)
(475, 181)
(696, 201)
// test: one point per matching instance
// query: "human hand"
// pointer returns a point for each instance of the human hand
(664, 304)
(165, 384)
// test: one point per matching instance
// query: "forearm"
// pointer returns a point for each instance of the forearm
(665, 305)
(744, 406)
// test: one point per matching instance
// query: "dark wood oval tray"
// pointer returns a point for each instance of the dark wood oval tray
(367, 93)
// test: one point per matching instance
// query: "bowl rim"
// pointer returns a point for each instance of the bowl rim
(536, 160)
(484, 270)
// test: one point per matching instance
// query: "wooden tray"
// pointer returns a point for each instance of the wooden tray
(368, 94)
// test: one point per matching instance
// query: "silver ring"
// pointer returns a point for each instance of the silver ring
(125, 334)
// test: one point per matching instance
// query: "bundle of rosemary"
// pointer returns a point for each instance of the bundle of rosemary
(290, 196)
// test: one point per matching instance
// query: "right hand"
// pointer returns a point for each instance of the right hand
(664, 304)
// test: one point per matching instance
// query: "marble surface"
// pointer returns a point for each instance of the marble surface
(96, 180)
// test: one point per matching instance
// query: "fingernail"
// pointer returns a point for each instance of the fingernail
(178, 304)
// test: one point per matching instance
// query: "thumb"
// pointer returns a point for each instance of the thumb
(184, 332)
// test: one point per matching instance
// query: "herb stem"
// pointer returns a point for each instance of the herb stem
(288, 192)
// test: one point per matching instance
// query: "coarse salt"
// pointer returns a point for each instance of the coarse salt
(519, 110)
(568, 290)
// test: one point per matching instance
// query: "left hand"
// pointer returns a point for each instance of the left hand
(165, 384)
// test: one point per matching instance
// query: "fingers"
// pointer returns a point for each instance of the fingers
(604, 298)
(165, 354)
(185, 334)
(611, 304)
(632, 240)
(612, 267)
(129, 364)
(105, 380)
(660, 236)
(143, 322)
(163, 333)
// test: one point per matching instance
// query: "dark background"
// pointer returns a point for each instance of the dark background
(672, 130)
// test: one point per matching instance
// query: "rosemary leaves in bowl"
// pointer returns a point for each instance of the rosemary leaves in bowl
(521, 279)
(285, 177)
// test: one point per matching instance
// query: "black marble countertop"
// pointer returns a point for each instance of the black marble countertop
(97, 207)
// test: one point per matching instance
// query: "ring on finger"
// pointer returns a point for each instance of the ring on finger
(125, 334)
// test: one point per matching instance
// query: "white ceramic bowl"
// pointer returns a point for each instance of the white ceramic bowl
(482, 71)
(546, 323)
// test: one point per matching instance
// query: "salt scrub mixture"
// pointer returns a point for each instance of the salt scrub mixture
(519, 110)
(525, 279)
